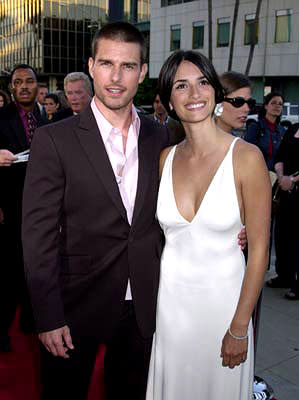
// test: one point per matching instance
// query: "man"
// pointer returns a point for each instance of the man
(91, 241)
(41, 95)
(18, 121)
(78, 91)
(175, 128)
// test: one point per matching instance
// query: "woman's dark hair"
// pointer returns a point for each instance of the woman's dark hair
(262, 113)
(169, 69)
(232, 81)
(54, 97)
(5, 96)
(120, 31)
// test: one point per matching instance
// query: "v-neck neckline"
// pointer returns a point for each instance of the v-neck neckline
(208, 188)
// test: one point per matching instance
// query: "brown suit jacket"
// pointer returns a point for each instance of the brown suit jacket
(79, 248)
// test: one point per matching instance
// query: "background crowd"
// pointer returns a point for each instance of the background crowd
(29, 105)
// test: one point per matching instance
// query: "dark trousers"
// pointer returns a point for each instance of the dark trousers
(126, 365)
(287, 240)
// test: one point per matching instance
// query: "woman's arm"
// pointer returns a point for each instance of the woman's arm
(253, 180)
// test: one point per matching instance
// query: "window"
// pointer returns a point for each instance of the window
(198, 35)
(283, 26)
(223, 27)
(251, 37)
(175, 37)
(165, 3)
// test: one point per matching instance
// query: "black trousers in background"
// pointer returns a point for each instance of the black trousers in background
(287, 239)
(126, 365)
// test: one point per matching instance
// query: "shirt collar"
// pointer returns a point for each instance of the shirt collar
(104, 125)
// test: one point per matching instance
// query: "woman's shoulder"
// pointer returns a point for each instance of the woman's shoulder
(163, 155)
(247, 155)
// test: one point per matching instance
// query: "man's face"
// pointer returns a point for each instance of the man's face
(116, 72)
(24, 86)
(41, 94)
(158, 106)
(77, 95)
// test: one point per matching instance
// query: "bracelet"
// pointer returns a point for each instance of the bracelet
(237, 337)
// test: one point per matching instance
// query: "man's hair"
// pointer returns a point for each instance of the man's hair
(22, 66)
(232, 81)
(78, 76)
(122, 32)
(170, 67)
(42, 85)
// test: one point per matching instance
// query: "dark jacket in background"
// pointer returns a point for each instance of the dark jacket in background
(259, 134)
(12, 285)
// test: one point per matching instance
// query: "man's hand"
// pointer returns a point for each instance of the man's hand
(58, 341)
(6, 158)
(286, 183)
(242, 239)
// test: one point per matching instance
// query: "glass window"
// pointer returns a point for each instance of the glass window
(250, 37)
(198, 35)
(223, 27)
(175, 37)
(283, 26)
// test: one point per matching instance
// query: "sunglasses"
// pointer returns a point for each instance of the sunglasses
(238, 102)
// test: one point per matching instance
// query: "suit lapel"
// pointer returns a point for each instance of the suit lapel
(92, 143)
(145, 161)
(18, 129)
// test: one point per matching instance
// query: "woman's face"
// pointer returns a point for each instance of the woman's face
(274, 107)
(1, 101)
(232, 117)
(192, 96)
(50, 106)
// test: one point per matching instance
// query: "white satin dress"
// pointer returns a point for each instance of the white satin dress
(202, 269)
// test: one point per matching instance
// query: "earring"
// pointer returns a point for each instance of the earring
(170, 106)
(218, 109)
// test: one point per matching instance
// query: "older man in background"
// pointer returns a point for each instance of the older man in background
(78, 91)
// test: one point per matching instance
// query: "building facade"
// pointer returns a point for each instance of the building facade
(181, 24)
(55, 36)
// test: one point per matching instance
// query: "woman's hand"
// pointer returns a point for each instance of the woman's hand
(233, 351)
(286, 182)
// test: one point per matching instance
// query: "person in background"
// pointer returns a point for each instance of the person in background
(287, 217)
(78, 91)
(175, 128)
(267, 132)
(52, 105)
(232, 115)
(41, 95)
(62, 99)
(4, 98)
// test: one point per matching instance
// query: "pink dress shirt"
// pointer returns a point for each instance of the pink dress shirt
(123, 163)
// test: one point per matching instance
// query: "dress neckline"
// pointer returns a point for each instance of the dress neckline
(208, 188)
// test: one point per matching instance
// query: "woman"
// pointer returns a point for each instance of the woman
(287, 219)
(267, 133)
(4, 98)
(52, 105)
(232, 116)
(237, 101)
(203, 346)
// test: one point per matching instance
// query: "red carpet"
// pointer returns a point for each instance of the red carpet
(19, 370)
